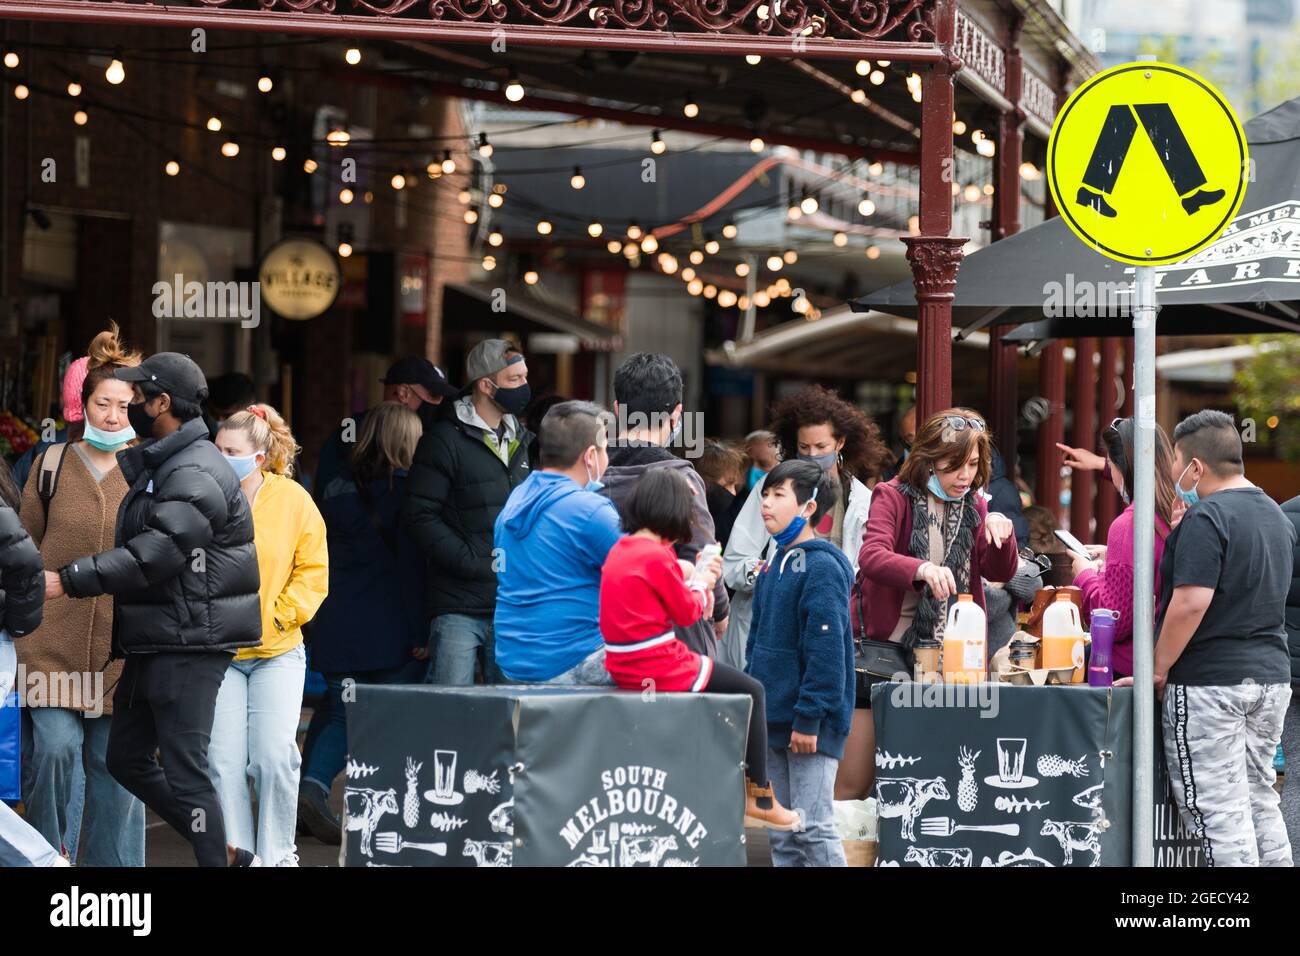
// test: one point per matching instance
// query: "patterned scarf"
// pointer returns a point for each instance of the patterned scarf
(958, 537)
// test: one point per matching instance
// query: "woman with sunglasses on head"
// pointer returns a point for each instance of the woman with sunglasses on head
(1107, 579)
(929, 537)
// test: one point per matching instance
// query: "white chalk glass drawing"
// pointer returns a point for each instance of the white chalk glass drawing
(1054, 765)
(1017, 804)
(1074, 836)
(502, 819)
(488, 852)
(356, 771)
(630, 844)
(904, 798)
(938, 856)
(1007, 858)
(1089, 799)
(391, 842)
(1011, 766)
(411, 799)
(944, 826)
(444, 792)
(476, 782)
(967, 789)
(445, 822)
(363, 807)
(887, 761)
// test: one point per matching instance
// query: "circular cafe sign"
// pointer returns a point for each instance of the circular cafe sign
(300, 278)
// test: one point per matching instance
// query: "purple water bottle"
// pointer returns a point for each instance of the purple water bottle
(1102, 629)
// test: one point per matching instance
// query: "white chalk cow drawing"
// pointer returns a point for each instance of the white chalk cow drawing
(906, 797)
(488, 853)
(364, 807)
(1074, 836)
(938, 856)
(645, 849)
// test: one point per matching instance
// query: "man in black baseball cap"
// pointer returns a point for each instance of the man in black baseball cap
(184, 580)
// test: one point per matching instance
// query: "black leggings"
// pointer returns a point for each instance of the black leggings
(726, 679)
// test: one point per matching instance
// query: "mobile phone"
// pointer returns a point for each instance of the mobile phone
(1073, 544)
(708, 553)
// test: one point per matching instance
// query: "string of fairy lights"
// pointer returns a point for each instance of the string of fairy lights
(632, 243)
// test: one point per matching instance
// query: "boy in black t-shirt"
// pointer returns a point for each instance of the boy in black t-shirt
(1221, 662)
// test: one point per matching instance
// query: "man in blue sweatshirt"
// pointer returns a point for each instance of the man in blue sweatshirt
(551, 540)
(801, 648)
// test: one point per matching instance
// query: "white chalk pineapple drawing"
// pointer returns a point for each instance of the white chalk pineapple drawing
(1017, 804)
(476, 782)
(356, 771)
(887, 761)
(967, 789)
(1052, 765)
(445, 822)
(411, 801)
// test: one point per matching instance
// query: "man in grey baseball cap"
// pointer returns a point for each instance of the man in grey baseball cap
(465, 467)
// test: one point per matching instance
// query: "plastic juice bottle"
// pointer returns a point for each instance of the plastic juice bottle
(965, 643)
(1063, 637)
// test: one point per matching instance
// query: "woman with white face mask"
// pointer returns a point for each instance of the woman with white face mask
(69, 508)
(255, 727)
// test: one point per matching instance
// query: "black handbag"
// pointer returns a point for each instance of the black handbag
(874, 660)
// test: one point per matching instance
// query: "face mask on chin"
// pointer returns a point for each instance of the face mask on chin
(107, 441)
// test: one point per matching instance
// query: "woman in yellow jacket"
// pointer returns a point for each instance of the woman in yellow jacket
(255, 727)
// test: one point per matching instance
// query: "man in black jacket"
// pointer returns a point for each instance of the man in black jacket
(465, 467)
(184, 581)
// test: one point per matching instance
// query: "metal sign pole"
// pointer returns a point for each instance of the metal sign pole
(1144, 527)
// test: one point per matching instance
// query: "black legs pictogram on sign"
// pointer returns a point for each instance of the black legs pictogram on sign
(1170, 144)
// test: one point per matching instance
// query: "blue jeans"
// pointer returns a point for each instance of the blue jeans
(805, 783)
(77, 800)
(456, 640)
(255, 737)
(589, 670)
(20, 845)
(327, 734)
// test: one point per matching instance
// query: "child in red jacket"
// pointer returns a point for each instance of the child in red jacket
(644, 592)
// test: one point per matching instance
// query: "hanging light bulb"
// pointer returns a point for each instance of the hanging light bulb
(876, 169)
(345, 249)
(790, 257)
(761, 299)
(484, 147)
(882, 63)
(230, 148)
(753, 59)
(712, 246)
(971, 192)
(873, 252)
(214, 124)
(471, 216)
(710, 291)
(696, 257)
(688, 274)
(74, 88)
(695, 287)
(667, 263)
(690, 108)
(631, 250)
(398, 181)
(840, 239)
(986, 147)
(988, 189)
(858, 96)
(544, 227)
(914, 224)
(496, 200)
(726, 298)
(657, 145)
(448, 164)
(976, 135)
(115, 73)
(463, 197)
(774, 263)
(594, 229)
(743, 303)
(80, 118)
(809, 205)
(489, 263)
(783, 285)
(531, 277)
(278, 153)
(495, 238)
(433, 170)
(958, 127)
(346, 196)
(21, 92)
(756, 144)
(514, 89)
(862, 67)
(649, 244)
(762, 11)
(172, 168)
(368, 197)
(742, 269)
(309, 165)
(12, 60)
(956, 189)
(794, 213)
(265, 84)
(877, 77)
(1029, 171)
(634, 231)
(577, 180)
(614, 246)
(729, 231)
(866, 207)
(353, 56)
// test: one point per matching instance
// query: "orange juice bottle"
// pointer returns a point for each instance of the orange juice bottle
(965, 643)
(1063, 636)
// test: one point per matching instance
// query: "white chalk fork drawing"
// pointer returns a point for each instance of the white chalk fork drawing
(943, 826)
(393, 843)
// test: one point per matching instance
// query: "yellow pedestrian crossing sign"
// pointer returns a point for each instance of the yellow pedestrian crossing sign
(1147, 163)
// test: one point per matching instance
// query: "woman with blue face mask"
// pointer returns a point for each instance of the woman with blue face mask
(69, 507)
(255, 726)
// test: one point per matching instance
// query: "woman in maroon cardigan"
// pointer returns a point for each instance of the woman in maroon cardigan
(929, 536)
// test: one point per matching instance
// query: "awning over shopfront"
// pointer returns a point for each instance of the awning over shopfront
(1052, 286)
(472, 306)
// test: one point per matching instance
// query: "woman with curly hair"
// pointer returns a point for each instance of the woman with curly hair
(814, 424)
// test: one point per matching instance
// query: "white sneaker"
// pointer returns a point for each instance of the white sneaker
(290, 859)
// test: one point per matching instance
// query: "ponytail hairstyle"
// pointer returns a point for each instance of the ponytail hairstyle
(105, 355)
(268, 434)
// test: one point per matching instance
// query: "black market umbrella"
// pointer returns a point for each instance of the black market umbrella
(1051, 285)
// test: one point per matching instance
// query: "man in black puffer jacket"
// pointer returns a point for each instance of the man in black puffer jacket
(184, 581)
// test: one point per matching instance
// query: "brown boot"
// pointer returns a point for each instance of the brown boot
(762, 810)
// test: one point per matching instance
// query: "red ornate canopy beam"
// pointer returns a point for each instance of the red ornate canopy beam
(840, 29)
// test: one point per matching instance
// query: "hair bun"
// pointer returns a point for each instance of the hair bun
(106, 348)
